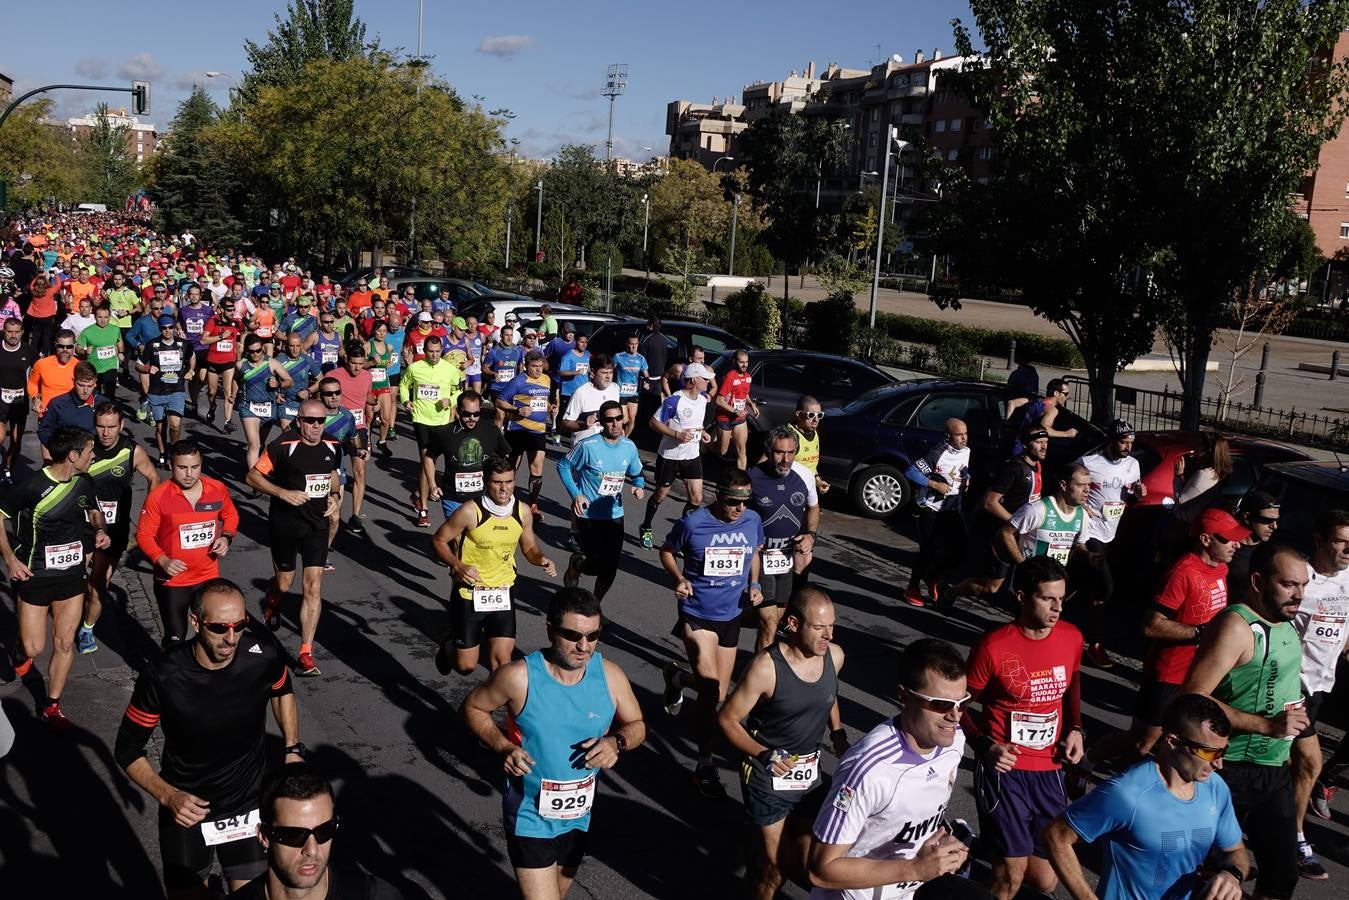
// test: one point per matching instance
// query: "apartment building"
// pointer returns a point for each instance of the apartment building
(141, 138)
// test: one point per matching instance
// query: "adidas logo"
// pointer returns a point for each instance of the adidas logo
(932, 774)
(255, 649)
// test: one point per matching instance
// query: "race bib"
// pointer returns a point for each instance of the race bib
(379, 374)
(317, 487)
(105, 353)
(226, 831)
(64, 556)
(261, 410)
(428, 392)
(225, 346)
(775, 562)
(9, 395)
(490, 600)
(109, 510)
(170, 359)
(627, 390)
(611, 484)
(583, 368)
(196, 535)
(538, 404)
(723, 561)
(468, 482)
(566, 799)
(359, 416)
(1035, 731)
(1113, 510)
(1328, 631)
(264, 331)
(504, 375)
(803, 774)
(329, 357)
(1059, 552)
(194, 326)
(738, 406)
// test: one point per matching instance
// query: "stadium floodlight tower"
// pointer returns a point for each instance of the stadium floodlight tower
(615, 82)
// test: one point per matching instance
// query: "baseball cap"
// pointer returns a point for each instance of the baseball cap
(276, 285)
(1220, 522)
(512, 317)
(697, 370)
(166, 320)
(1119, 428)
(303, 301)
(423, 317)
(458, 322)
(567, 326)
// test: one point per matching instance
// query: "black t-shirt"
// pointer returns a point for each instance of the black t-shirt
(14, 366)
(213, 720)
(343, 884)
(111, 471)
(1018, 482)
(296, 466)
(55, 540)
(655, 349)
(172, 361)
(465, 452)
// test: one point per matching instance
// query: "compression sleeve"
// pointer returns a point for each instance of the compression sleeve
(635, 469)
(139, 721)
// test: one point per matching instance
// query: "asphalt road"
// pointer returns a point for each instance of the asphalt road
(418, 796)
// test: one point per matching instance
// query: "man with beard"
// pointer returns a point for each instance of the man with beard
(467, 444)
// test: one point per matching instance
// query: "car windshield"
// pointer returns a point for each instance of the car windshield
(867, 396)
(481, 288)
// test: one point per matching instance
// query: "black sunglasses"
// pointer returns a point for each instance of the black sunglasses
(65, 346)
(312, 420)
(1265, 520)
(295, 836)
(575, 636)
(226, 627)
(608, 420)
(330, 393)
(471, 413)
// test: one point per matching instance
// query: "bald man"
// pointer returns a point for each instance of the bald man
(939, 479)
(789, 693)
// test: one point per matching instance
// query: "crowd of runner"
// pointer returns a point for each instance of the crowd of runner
(104, 319)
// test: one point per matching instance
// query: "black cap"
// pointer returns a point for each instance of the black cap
(1120, 428)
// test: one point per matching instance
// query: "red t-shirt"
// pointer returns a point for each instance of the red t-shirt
(170, 525)
(358, 301)
(290, 283)
(355, 391)
(416, 338)
(1196, 592)
(225, 350)
(735, 388)
(1021, 684)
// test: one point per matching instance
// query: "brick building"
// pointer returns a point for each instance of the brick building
(1324, 203)
(141, 138)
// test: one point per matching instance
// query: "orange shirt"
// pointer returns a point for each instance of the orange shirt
(49, 379)
(359, 300)
(171, 526)
(79, 291)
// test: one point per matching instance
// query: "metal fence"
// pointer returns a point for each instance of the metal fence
(1149, 409)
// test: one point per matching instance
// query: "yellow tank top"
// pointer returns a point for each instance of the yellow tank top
(490, 546)
(808, 454)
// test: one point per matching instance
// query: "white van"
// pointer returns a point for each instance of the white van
(92, 208)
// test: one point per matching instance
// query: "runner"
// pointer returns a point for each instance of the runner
(101, 344)
(16, 359)
(478, 542)
(720, 548)
(573, 371)
(300, 474)
(528, 408)
(785, 499)
(632, 371)
(57, 526)
(262, 380)
(679, 422)
(379, 358)
(357, 397)
(733, 405)
(75, 408)
(1055, 525)
(117, 458)
(556, 348)
(1026, 675)
(326, 344)
(221, 337)
(1116, 481)
(581, 416)
(1321, 621)
(208, 696)
(500, 366)
(1039, 413)
(1250, 661)
(806, 425)
(789, 694)
(942, 477)
(553, 752)
(166, 362)
(428, 390)
(193, 316)
(303, 322)
(1259, 512)
(593, 474)
(473, 344)
(880, 834)
(53, 375)
(469, 442)
(303, 373)
(1161, 819)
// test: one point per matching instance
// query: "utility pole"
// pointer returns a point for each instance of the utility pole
(412, 218)
(735, 211)
(615, 82)
(510, 212)
(538, 221)
(646, 223)
(890, 136)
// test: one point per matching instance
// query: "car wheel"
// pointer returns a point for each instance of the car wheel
(878, 491)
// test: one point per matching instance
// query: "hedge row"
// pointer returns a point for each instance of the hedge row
(1036, 348)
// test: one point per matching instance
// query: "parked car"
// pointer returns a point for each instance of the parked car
(782, 376)
(347, 279)
(524, 307)
(455, 290)
(866, 445)
(680, 336)
(1304, 489)
(1157, 452)
(585, 323)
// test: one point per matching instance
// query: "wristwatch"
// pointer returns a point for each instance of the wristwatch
(620, 742)
(1233, 870)
(298, 749)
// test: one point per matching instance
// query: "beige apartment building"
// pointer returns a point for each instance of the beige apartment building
(141, 138)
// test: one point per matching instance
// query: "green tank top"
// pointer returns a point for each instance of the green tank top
(1058, 533)
(1263, 686)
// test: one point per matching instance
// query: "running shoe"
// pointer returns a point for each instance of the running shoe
(1097, 655)
(443, 664)
(708, 782)
(55, 720)
(1308, 866)
(393, 436)
(328, 565)
(647, 543)
(230, 427)
(163, 461)
(1322, 794)
(307, 668)
(84, 640)
(573, 573)
(573, 542)
(384, 449)
(913, 596)
(423, 519)
(210, 415)
(355, 527)
(672, 692)
(271, 612)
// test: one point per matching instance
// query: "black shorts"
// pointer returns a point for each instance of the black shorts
(1015, 807)
(429, 438)
(667, 470)
(522, 441)
(1091, 582)
(48, 590)
(1313, 707)
(1262, 798)
(1153, 698)
(293, 534)
(200, 356)
(220, 368)
(565, 850)
(728, 633)
(601, 544)
(15, 413)
(766, 806)
(187, 859)
(777, 589)
(468, 628)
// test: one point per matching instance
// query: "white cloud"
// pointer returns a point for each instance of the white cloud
(142, 66)
(504, 46)
(92, 67)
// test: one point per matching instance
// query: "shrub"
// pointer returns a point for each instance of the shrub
(956, 358)
(753, 315)
(597, 261)
(834, 324)
(1038, 348)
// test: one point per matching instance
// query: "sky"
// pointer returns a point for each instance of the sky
(544, 60)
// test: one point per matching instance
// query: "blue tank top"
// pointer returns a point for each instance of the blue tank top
(326, 352)
(557, 718)
(255, 382)
(300, 370)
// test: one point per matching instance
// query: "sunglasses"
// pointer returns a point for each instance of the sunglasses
(734, 501)
(812, 415)
(471, 413)
(312, 420)
(226, 627)
(295, 836)
(939, 705)
(330, 393)
(326, 321)
(1219, 539)
(65, 346)
(576, 637)
(1265, 520)
(609, 420)
(1204, 752)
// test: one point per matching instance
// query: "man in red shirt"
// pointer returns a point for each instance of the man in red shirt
(222, 336)
(1026, 675)
(413, 350)
(359, 298)
(290, 282)
(733, 405)
(186, 526)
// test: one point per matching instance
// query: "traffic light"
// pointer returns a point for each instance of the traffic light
(140, 97)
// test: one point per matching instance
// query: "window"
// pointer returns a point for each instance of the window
(1344, 231)
(782, 376)
(871, 167)
(871, 139)
(940, 126)
(986, 124)
(985, 152)
(956, 124)
(937, 408)
(902, 413)
(952, 155)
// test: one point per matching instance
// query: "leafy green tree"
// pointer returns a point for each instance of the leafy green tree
(687, 207)
(193, 184)
(312, 30)
(110, 172)
(37, 161)
(584, 203)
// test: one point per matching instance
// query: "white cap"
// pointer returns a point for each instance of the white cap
(697, 370)
(423, 317)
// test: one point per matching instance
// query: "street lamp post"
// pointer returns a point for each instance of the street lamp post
(646, 223)
(890, 138)
(719, 161)
(735, 209)
(538, 220)
(510, 214)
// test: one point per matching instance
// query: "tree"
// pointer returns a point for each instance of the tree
(193, 184)
(36, 161)
(687, 207)
(111, 174)
(313, 30)
(583, 203)
(1251, 94)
